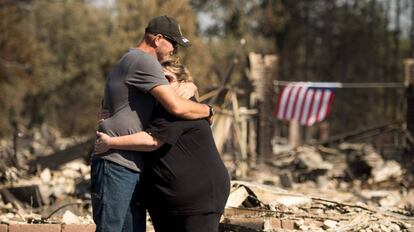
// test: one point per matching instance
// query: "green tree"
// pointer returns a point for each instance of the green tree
(75, 38)
(55, 56)
(18, 61)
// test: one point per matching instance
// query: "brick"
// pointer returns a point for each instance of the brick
(78, 228)
(3, 228)
(288, 224)
(252, 223)
(313, 223)
(34, 228)
(272, 223)
(240, 212)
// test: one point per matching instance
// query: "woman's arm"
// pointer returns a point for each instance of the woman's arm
(140, 141)
(179, 106)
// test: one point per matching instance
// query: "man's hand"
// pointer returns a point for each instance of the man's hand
(184, 89)
(101, 143)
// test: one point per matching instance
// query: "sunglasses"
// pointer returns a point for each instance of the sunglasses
(171, 40)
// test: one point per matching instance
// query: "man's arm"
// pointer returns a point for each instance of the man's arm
(140, 141)
(179, 106)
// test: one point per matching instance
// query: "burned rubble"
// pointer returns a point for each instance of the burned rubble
(310, 188)
(351, 187)
(31, 192)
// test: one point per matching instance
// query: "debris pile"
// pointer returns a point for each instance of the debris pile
(255, 207)
(349, 188)
(45, 179)
(349, 165)
(49, 197)
(34, 191)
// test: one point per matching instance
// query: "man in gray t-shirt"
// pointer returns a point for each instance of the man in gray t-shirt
(129, 103)
(132, 89)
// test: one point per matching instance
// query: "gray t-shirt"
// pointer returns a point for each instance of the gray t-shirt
(129, 102)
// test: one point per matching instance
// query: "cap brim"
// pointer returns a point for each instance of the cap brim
(182, 41)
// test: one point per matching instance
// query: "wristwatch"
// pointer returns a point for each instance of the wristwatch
(211, 111)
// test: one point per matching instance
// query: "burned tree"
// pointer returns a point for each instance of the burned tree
(263, 71)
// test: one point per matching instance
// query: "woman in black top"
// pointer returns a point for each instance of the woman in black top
(186, 184)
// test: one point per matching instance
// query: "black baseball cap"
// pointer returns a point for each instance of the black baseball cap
(169, 28)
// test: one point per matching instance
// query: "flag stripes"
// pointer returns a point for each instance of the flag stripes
(304, 103)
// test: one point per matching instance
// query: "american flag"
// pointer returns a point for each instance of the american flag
(305, 103)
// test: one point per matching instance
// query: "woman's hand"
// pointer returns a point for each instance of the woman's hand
(102, 143)
(184, 89)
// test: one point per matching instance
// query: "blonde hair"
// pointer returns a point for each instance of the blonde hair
(178, 69)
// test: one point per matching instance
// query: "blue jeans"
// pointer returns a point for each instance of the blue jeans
(114, 191)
